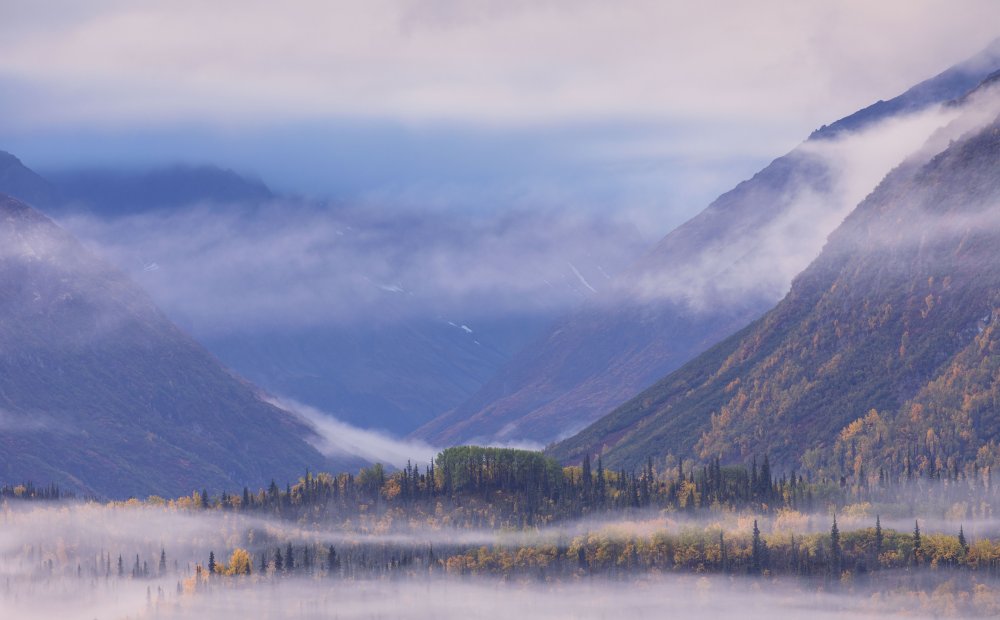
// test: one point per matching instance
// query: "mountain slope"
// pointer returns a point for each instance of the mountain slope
(703, 281)
(884, 347)
(21, 182)
(101, 393)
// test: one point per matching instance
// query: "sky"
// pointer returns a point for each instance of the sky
(646, 107)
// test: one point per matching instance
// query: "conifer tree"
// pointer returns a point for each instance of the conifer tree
(961, 539)
(163, 561)
(916, 543)
(758, 551)
(279, 563)
(878, 539)
(331, 560)
(835, 551)
(289, 558)
(211, 563)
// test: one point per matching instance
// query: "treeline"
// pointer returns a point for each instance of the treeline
(496, 487)
(28, 491)
(833, 556)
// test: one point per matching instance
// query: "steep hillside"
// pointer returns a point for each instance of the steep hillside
(895, 315)
(101, 393)
(706, 279)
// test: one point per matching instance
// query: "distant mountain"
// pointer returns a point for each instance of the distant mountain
(21, 182)
(397, 367)
(117, 192)
(885, 353)
(101, 393)
(703, 281)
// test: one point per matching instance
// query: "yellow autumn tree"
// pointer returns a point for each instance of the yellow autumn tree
(239, 563)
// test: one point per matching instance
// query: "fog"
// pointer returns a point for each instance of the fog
(54, 563)
(291, 264)
(336, 437)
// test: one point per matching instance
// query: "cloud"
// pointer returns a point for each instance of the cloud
(788, 222)
(291, 264)
(482, 61)
(336, 438)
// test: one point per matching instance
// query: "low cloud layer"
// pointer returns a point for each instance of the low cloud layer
(759, 261)
(336, 438)
(53, 565)
(292, 265)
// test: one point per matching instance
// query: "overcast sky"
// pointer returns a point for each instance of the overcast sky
(651, 106)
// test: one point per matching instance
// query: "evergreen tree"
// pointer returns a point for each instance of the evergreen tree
(121, 566)
(289, 558)
(961, 539)
(835, 550)
(878, 539)
(204, 498)
(916, 543)
(331, 560)
(723, 558)
(211, 563)
(279, 563)
(263, 563)
(163, 561)
(758, 551)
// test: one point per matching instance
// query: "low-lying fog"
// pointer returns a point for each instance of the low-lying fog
(62, 561)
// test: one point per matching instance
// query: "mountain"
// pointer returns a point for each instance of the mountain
(116, 192)
(885, 352)
(706, 279)
(21, 182)
(101, 393)
(403, 360)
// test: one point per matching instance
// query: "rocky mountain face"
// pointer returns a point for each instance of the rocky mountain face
(883, 354)
(101, 393)
(703, 281)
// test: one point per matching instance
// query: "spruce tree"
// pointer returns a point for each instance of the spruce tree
(279, 563)
(289, 558)
(835, 551)
(757, 551)
(916, 543)
(878, 540)
(211, 563)
(961, 539)
(331, 560)
(163, 561)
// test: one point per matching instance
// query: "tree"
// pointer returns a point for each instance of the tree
(758, 551)
(722, 552)
(331, 560)
(204, 498)
(878, 539)
(835, 551)
(163, 561)
(916, 543)
(239, 563)
(211, 563)
(121, 566)
(289, 558)
(961, 539)
(263, 563)
(279, 563)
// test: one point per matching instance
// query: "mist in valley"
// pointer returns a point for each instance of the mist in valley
(61, 560)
